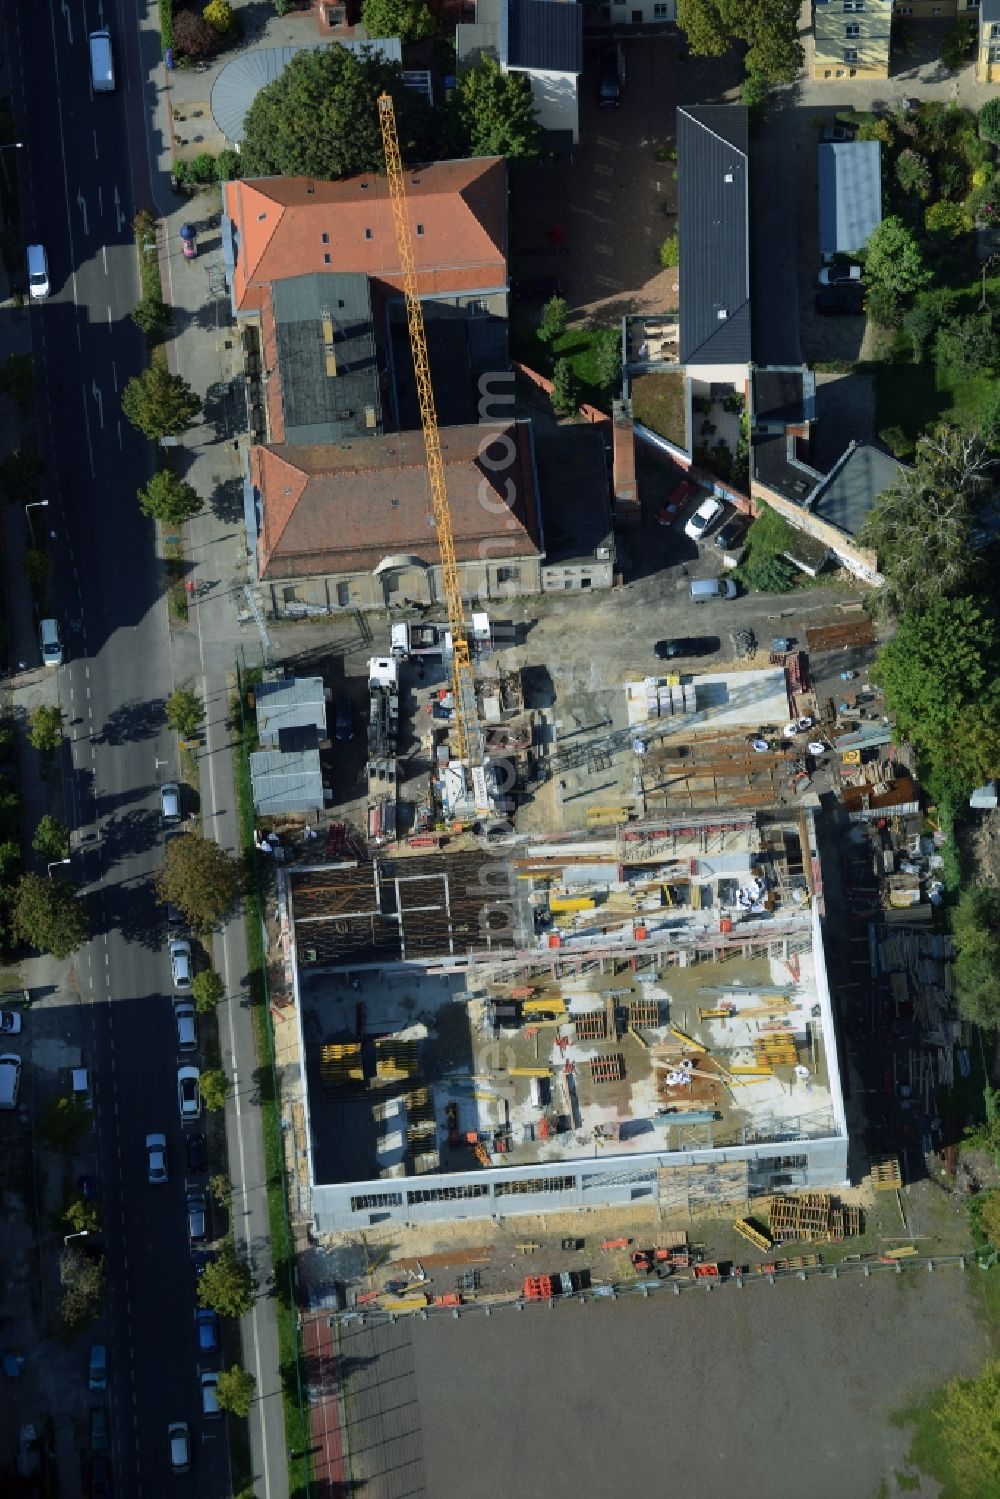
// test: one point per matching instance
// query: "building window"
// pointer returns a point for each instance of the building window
(420, 228)
(852, 29)
(854, 5)
(995, 54)
(995, 30)
(850, 54)
(343, 595)
(660, 13)
(534, 1184)
(288, 594)
(445, 1194)
(326, 257)
(325, 238)
(368, 234)
(376, 1200)
(508, 575)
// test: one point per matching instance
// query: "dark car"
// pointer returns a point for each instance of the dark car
(732, 533)
(610, 75)
(669, 650)
(343, 724)
(837, 134)
(100, 1478)
(197, 1152)
(846, 300)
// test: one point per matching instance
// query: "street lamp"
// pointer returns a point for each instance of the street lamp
(30, 506)
(83, 1234)
(55, 865)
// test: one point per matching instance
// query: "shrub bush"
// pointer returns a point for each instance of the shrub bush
(876, 130)
(957, 43)
(670, 252)
(952, 178)
(913, 173)
(988, 122)
(899, 443)
(193, 36)
(166, 24)
(883, 306)
(947, 219)
(219, 15)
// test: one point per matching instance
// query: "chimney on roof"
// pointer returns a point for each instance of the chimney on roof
(329, 352)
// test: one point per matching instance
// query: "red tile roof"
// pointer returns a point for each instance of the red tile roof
(460, 244)
(339, 509)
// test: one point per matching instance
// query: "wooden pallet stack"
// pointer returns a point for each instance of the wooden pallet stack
(775, 1051)
(608, 1069)
(591, 1027)
(813, 1218)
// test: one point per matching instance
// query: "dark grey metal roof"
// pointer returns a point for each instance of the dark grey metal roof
(850, 195)
(777, 396)
(713, 221)
(544, 36)
(852, 487)
(286, 783)
(241, 80)
(776, 464)
(462, 346)
(989, 12)
(326, 403)
(289, 705)
(575, 495)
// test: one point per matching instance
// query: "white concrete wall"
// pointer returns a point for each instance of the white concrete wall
(556, 97)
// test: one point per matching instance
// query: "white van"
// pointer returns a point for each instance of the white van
(50, 642)
(102, 63)
(38, 272)
(703, 589)
(10, 1079)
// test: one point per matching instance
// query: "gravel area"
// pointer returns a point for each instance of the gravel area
(729, 1394)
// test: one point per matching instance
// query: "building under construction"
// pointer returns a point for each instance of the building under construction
(567, 1024)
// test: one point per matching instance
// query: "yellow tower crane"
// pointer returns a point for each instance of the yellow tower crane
(468, 734)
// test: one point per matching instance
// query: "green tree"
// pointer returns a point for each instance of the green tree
(193, 36)
(967, 1427)
(160, 404)
(941, 678)
(913, 173)
(967, 344)
(226, 1285)
(80, 1216)
(608, 360)
(10, 859)
(319, 118)
(221, 1189)
(989, 1217)
(169, 499)
(492, 113)
(987, 423)
(957, 42)
(185, 711)
(17, 380)
(200, 878)
(65, 1121)
(884, 305)
(51, 840)
(931, 511)
(894, 259)
(976, 928)
(214, 1087)
(767, 573)
(929, 311)
(769, 28)
(207, 990)
(151, 315)
(410, 20)
(565, 389)
(236, 1390)
(988, 121)
(21, 473)
(219, 15)
(45, 728)
(947, 220)
(48, 915)
(552, 324)
(37, 568)
(82, 1281)
(670, 252)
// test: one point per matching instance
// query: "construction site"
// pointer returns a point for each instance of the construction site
(641, 1015)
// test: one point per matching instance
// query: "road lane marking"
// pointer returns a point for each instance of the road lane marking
(97, 154)
(104, 252)
(81, 203)
(86, 418)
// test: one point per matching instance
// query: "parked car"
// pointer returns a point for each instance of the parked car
(731, 535)
(197, 1217)
(10, 1079)
(836, 134)
(669, 511)
(156, 1159)
(179, 1446)
(170, 802)
(98, 1379)
(180, 964)
(343, 723)
(845, 300)
(210, 1407)
(670, 650)
(698, 524)
(207, 1327)
(188, 1092)
(835, 275)
(186, 1021)
(38, 272)
(50, 642)
(100, 1477)
(99, 1438)
(10, 1023)
(196, 1149)
(610, 76)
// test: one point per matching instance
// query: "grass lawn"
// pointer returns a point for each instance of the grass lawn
(578, 345)
(914, 397)
(658, 403)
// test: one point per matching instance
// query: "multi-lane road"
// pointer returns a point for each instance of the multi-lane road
(77, 183)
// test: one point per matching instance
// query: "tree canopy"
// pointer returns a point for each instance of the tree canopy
(49, 915)
(207, 991)
(185, 711)
(320, 117)
(169, 499)
(200, 878)
(226, 1285)
(236, 1390)
(769, 28)
(410, 20)
(214, 1088)
(967, 1421)
(941, 678)
(51, 838)
(158, 403)
(492, 113)
(894, 260)
(922, 528)
(45, 728)
(976, 928)
(82, 1281)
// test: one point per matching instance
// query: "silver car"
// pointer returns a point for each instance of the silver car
(180, 964)
(189, 1092)
(156, 1159)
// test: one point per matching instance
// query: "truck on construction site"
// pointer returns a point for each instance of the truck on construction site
(383, 735)
(433, 641)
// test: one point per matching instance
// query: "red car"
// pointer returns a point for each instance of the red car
(668, 513)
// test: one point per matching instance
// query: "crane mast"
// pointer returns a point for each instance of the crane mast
(468, 734)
